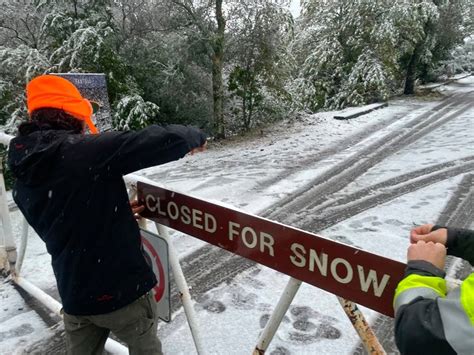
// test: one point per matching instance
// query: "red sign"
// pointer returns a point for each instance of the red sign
(159, 289)
(348, 272)
(156, 253)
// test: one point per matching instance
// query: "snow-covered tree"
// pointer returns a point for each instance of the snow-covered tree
(341, 45)
(414, 23)
(62, 36)
(461, 59)
(204, 24)
(366, 83)
(354, 52)
(257, 55)
(17, 66)
(132, 112)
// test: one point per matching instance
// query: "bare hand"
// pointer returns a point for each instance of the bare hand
(425, 234)
(435, 253)
(136, 209)
(199, 149)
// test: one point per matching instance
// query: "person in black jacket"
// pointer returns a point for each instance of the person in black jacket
(428, 318)
(69, 187)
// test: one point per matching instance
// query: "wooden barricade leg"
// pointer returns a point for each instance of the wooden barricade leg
(362, 327)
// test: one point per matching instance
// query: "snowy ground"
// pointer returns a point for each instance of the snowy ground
(252, 175)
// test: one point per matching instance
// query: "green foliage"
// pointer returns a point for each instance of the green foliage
(132, 113)
(460, 60)
(260, 61)
(7, 174)
(244, 84)
(356, 52)
(250, 62)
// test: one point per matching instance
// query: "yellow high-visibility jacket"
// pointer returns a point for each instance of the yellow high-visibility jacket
(428, 319)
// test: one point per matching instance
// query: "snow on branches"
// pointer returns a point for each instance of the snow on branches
(132, 112)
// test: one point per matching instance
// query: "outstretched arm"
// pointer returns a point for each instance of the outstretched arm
(120, 153)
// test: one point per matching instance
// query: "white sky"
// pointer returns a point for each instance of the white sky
(295, 7)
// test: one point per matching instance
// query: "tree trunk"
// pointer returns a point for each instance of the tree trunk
(250, 111)
(411, 73)
(244, 111)
(217, 68)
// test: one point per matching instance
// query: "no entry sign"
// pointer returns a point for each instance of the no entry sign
(348, 272)
(156, 253)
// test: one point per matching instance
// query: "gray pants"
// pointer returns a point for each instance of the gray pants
(134, 324)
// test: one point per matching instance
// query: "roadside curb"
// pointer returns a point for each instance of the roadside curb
(361, 112)
(448, 81)
(385, 104)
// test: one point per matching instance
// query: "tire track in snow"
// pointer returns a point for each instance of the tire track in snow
(347, 143)
(350, 205)
(209, 266)
(336, 178)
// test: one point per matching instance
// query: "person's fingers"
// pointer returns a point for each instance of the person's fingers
(440, 247)
(134, 203)
(432, 252)
(198, 149)
(420, 233)
(423, 229)
(138, 209)
(414, 237)
(136, 212)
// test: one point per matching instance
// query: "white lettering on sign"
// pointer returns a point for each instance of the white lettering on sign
(251, 238)
(153, 204)
(349, 272)
(197, 218)
(321, 262)
(299, 259)
(339, 269)
(186, 215)
(371, 278)
(173, 211)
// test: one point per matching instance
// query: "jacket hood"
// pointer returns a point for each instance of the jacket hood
(29, 156)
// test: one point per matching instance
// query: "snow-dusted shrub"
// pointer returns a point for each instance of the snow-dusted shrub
(22, 63)
(132, 112)
(366, 83)
(85, 49)
(461, 59)
(17, 66)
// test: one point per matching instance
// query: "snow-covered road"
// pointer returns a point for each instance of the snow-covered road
(389, 169)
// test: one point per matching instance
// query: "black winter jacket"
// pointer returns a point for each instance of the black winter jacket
(71, 191)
